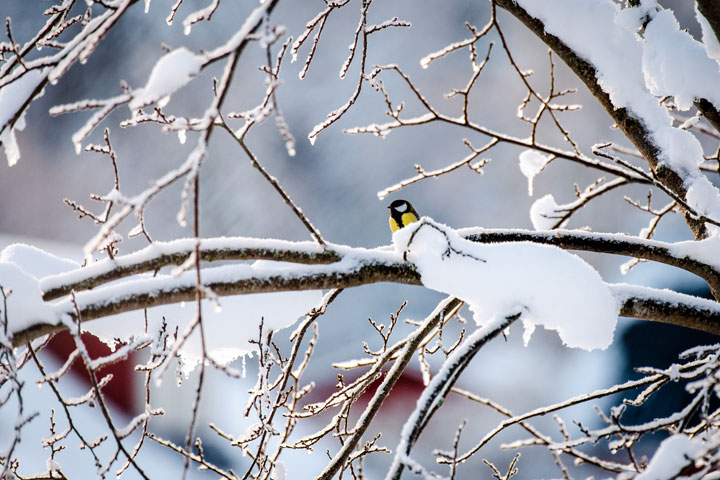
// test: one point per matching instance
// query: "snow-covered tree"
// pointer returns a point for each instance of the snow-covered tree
(474, 87)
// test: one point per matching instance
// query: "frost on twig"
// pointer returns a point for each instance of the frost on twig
(22, 80)
(200, 15)
(361, 35)
(319, 22)
(464, 121)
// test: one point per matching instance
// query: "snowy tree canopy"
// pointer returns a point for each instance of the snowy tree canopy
(197, 264)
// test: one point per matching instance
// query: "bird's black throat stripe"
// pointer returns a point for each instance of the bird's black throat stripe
(397, 216)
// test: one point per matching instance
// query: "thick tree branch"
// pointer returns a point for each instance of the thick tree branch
(612, 243)
(152, 292)
(648, 304)
(342, 267)
(676, 309)
(160, 254)
(709, 111)
(633, 127)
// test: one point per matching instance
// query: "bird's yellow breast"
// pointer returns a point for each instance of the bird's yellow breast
(406, 219)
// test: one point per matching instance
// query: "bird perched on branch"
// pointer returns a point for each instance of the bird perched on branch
(402, 214)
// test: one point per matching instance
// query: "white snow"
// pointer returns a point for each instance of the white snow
(279, 471)
(624, 291)
(544, 213)
(35, 261)
(10, 145)
(15, 94)
(12, 97)
(549, 286)
(673, 454)
(20, 268)
(709, 39)
(532, 162)
(633, 18)
(171, 72)
(677, 65)
(704, 197)
(705, 251)
(25, 306)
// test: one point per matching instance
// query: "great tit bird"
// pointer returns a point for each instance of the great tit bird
(402, 214)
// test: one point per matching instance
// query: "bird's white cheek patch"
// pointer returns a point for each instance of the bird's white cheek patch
(402, 208)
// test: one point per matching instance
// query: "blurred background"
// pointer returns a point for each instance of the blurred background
(336, 182)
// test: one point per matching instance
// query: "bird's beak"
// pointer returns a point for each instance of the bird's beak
(388, 206)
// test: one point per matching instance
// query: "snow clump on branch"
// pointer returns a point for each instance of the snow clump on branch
(546, 285)
(170, 73)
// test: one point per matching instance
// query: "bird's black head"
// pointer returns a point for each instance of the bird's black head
(400, 206)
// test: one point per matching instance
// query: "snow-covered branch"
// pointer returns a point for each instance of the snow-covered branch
(710, 10)
(620, 89)
(316, 269)
(690, 256)
(441, 384)
(163, 254)
(356, 267)
(443, 311)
